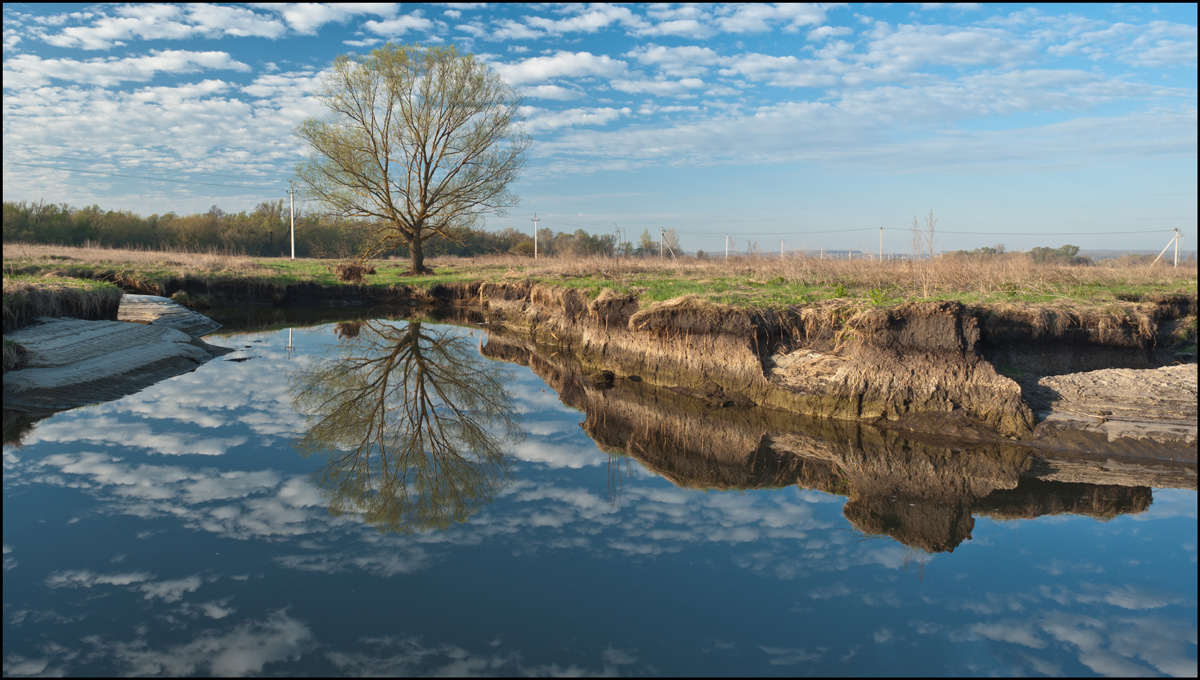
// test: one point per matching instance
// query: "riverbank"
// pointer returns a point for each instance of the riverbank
(968, 368)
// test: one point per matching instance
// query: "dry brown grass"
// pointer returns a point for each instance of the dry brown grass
(199, 262)
(744, 281)
(1013, 273)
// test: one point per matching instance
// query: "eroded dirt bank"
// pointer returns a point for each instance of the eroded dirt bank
(977, 373)
(922, 490)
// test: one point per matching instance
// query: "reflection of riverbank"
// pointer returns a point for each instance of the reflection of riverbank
(921, 490)
(410, 423)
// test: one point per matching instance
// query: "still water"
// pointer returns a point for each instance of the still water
(382, 499)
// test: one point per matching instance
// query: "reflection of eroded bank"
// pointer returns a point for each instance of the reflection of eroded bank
(411, 425)
(922, 491)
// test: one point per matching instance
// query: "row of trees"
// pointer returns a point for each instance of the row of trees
(264, 232)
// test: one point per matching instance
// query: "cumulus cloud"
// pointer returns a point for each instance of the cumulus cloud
(658, 86)
(689, 60)
(400, 25)
(30, 71)
(759, 18)
(307, 18)
(587, 20)
(560, 65)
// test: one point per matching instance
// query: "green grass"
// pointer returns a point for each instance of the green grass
(747, 283)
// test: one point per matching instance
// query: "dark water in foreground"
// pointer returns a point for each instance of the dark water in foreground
(205, 527)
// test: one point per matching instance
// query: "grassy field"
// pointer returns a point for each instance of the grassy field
(759, 282)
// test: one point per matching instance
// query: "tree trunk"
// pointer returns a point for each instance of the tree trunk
(418, 268)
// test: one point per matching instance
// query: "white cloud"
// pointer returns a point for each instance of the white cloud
(759, 18)
(147, 22)
(824, 32)
(587, 20)
(561, 65)
(688, 28)
(907, 47)
(1162, 44)
(29, 71)
(507, 29)
(276, 85)
(225, 20)
(658, 86)
(557, 92)
(689, 60)
(307, 18)
(787, 71)
(400, 25)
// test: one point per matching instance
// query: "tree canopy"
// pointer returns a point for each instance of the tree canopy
(423, 141)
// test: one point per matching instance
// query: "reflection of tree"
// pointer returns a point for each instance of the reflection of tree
(413, 424)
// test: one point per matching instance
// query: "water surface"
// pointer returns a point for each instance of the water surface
(290, 510)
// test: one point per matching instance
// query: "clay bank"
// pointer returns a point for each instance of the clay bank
(1117, 381)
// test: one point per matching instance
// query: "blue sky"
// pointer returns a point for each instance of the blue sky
(812, 124)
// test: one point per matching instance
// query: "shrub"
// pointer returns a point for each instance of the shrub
(352, 272)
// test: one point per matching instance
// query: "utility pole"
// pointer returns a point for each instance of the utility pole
(726, 247)
(781, 249)
(1176, 247)
(535, 221)
(881, 244)
(661, 234)
(292, 196)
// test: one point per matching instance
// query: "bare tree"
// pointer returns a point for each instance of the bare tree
(422, 141)
(671, 241)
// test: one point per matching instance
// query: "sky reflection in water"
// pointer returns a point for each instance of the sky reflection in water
(179, 531)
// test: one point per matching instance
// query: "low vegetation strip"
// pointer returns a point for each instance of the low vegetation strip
(27, 297)
(757, 282)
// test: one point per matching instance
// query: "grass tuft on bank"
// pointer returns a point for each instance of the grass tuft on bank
(27, 297)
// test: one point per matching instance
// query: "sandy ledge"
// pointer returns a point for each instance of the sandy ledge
(74, 362)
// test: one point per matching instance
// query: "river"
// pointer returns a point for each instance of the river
(380, 498)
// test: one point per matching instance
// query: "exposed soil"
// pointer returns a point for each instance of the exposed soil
(922, 490)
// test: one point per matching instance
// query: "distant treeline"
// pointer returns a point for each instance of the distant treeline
(1065, 254)
(264, 232)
